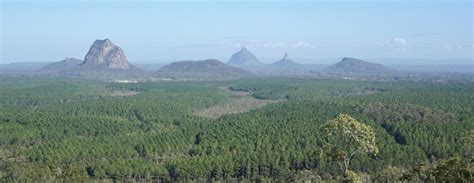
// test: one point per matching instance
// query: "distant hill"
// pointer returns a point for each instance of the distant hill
(202, 70)
(150, 66)
(357, 66)
(287, 67)
(66, 64)
(244, 59)
(286, 62)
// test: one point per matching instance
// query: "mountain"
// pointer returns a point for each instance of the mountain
(244, 58)
(285, 62)
(66, 64)
(202, 70)
(104, 61)
(356, 66)
(102, 55)
(287, 67)
(104, 52)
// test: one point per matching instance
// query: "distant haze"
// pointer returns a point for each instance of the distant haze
(404, 32)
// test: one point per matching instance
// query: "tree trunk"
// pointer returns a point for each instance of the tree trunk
(344, 166)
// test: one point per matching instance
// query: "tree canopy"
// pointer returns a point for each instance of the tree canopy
(347, 137)
(72, 130)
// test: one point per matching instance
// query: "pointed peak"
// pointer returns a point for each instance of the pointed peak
(244, 58)
(285, 56)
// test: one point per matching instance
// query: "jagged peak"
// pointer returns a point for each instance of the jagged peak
(285, 56)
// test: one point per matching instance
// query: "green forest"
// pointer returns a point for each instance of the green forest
(76, 130)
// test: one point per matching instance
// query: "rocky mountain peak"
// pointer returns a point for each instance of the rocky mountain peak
(104, 52)
(244, 58)
(285, 61)
(285, 56)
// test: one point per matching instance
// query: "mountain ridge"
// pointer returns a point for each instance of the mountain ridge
(202, 70)
(349, 65)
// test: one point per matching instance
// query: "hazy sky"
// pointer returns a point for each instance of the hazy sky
(177, 30)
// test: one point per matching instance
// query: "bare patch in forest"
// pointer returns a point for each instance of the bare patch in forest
(364, 91)
(239, 102)
(118, 93)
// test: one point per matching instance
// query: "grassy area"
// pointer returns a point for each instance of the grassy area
(238, 102)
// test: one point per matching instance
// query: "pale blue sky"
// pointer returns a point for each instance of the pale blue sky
(177, 30)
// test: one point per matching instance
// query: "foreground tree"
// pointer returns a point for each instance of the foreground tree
(390, 174)
(468, 142)
(347, 137)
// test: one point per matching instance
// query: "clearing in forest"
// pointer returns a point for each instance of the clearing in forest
(239, 102)
(117, 93)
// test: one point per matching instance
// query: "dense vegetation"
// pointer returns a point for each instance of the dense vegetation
(70, 129)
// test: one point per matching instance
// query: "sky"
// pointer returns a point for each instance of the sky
(440, 31)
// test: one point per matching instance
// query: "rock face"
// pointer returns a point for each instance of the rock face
(356, 66)
(104, 52)
(285, 62)
(244, 58)
(104, 61)
(202, 70)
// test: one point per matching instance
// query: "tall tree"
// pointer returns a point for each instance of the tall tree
(347, 137)
(468, 142)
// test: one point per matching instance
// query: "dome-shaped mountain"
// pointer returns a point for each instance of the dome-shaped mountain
(104, 52)
(286, 62)
(104, 61)
(207, 70)
(356, 66)
(244, 58)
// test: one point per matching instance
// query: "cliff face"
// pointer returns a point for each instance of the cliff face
(104, 52)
